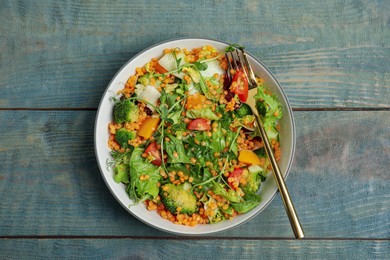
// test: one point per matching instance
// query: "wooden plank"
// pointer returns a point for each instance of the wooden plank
(325, 54)
(50, 183)
(193, 249)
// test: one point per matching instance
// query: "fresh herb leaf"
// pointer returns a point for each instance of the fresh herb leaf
(178, 61)
(201, 65)
(175, 150)
(163, 112)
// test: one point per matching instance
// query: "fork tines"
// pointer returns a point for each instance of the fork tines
(238, 60)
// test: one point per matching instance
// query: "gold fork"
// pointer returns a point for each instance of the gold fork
(238, 60)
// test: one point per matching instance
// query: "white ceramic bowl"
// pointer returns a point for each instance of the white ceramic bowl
(104, 116)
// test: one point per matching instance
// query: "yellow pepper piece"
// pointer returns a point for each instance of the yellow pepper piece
(148, 127)
(195, 101)
(248, 157)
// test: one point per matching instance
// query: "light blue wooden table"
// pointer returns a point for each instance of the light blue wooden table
(331, 57)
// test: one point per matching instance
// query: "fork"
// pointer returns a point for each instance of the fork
(237, 60)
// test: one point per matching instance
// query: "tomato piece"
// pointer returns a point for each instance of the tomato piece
(239, 85)
(234, 177)
(199, 124)
(152, 152)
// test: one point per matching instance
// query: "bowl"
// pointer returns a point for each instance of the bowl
(268, 189)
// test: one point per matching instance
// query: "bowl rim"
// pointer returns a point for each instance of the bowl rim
(143, 51)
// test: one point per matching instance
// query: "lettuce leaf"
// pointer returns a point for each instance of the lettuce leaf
(230, 195)
(270, 111)
(121, 173)
(268, 105)
(218, 142)
(205, 113)
(251, 201)
(140, 190)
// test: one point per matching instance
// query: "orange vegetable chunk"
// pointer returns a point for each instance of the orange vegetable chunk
(248, 157)
(148, 127)
(195, 101)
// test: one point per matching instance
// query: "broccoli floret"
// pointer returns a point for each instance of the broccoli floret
(122, 136)
(125, 111)
(176, 197)
(244, 110)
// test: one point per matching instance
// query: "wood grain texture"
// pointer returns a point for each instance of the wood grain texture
(57, 57)
(197, 249)
(50, 183)
(62, 54)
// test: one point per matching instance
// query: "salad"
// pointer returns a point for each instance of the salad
(184, 142)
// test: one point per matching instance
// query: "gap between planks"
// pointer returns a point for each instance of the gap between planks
(294, 109)
(59, 237)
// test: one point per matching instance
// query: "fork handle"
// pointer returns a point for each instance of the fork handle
(286, 198)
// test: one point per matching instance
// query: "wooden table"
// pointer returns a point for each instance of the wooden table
(331, 57)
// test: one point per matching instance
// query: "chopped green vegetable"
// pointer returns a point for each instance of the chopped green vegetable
(139, 188)
(125, 111)
(122, 136)
(244, 110)
(176, 151)
(250, 201)
(205, 113)
(122, 173)
(231, 195)
(178, 198)
(253, 178)
(270, 111)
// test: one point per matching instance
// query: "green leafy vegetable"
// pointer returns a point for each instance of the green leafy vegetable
(200, 65)
(205, 113)
(125, 111)
(231, 195)
(270, 111)
(176, 151)
(180, 197)
(233, 47)
(244, 110)
(251, 201)
(122, 173)
(140, 190)
(122, 136)
(218, 143)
